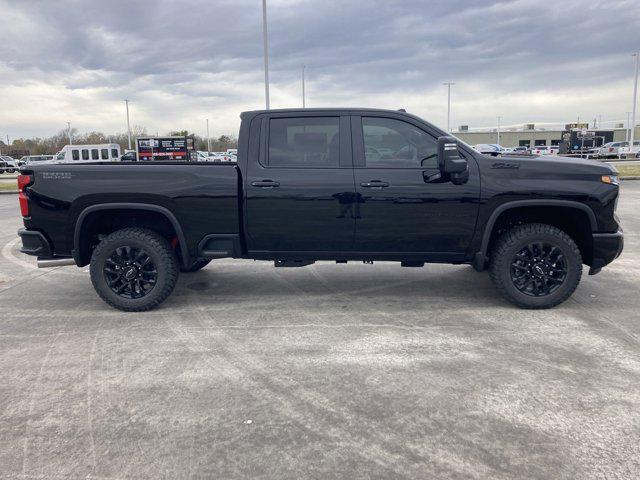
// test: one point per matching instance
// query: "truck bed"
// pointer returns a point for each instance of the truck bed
(203, 196)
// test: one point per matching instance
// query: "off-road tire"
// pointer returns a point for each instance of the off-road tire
(158, 250)
(194, 266)
(517, 238)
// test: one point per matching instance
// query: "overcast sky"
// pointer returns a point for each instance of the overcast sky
(183, 61)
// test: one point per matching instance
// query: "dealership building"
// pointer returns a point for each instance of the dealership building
(530, 135)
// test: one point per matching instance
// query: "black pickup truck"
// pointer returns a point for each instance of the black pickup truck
(327, 184)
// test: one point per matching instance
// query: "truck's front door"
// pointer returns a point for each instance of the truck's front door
(300, 192)
(403, 206)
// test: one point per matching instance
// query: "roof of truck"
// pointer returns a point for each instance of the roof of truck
(336, 109)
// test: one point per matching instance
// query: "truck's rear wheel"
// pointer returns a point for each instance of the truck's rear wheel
(134, 269)
(194, 266)
(536, 266)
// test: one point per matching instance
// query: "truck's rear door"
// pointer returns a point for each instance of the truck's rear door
(300, 193)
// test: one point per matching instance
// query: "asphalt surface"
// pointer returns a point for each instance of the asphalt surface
(328, 371)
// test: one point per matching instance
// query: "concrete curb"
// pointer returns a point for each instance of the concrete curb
(5, 192)
(630, 178)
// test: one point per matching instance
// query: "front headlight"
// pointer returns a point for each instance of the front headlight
(610, 179)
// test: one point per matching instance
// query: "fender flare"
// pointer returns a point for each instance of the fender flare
(129, 206)
(481, 256)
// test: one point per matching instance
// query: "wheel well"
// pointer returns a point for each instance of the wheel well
(572, 221)
(100, 223)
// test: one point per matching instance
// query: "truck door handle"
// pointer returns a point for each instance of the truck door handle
(265, 184)
(374, 184)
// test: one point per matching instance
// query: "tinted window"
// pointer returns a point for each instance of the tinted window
(75, 154)
(114, 153)
(390, 143)
(104, 153)
(85, 154)
(94, 154)
(304, 142)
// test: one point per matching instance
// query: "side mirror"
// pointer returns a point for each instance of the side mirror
(452, 166)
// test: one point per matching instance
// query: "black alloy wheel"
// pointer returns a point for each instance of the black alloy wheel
(134, 269)
(130, 272)
(535, 265)
(538, 269)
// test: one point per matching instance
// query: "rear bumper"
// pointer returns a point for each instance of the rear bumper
(35, 243)
(606, 248)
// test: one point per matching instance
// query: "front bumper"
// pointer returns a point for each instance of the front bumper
(35, 243)
(606, 248)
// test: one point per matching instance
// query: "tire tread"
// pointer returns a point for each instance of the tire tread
(514, 235)
(167, 258)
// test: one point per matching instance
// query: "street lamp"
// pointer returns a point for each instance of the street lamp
(498, 142)
(69, 133)
(635, 101)
(448, 84)
(626, 130)
(303, 95)
(208, 138)
(265, 39)
(126, 102)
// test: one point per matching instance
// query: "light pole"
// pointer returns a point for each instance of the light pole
(499, 118)
(448, 84)
(303, 96)
(635, 101)
(626, 130)
(208, 138)
(69, 133)
(126, 102)
(265, 38)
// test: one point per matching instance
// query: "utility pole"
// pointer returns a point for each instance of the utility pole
(208, 138)
(69, 133)
(498, 142)
(265, 40)
(448, 84)
(626, 130)
(126, 102)
(304, 105)
(635, 101)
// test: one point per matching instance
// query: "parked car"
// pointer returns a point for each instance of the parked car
(554, 149)
(611, 149)
(488, 149)
(9, 165)
(129, 156)
(320, 185)
(31, 159)
(539, 150)
(519, 149)
(625, 151)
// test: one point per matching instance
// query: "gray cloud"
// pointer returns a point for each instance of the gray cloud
(182, 61)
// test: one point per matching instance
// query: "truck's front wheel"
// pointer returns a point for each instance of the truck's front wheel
(134, 269)
(536, 265)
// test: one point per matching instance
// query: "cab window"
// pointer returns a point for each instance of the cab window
(114, 153)
(311, 142)
(391, 143)
(75, 154)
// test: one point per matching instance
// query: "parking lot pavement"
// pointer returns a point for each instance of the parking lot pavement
(327, 371)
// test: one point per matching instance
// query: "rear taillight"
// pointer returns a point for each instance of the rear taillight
(24, 181)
